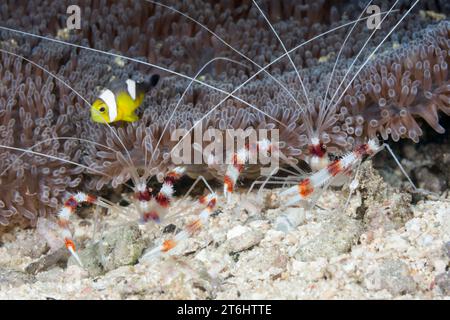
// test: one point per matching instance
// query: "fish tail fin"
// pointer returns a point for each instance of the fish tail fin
(148, 83)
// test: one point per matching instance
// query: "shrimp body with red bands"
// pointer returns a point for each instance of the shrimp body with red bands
(64, 215)
(308, 187)
(151, 208)
(155, 207)
(210, 202)
(238, 161)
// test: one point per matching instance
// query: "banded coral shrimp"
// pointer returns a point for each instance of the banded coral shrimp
(151, 207)
(121, 145)
(144, 195)
(312, 136)
(316, 146)
(240, 158)
(308, 190)
(336, 168)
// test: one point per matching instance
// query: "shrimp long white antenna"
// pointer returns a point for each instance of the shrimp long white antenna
(359, 53)
(264, 68)
(170, 71)
(182, 75)
(374, 51)
(285, 50)
(104, 202)
(229, 46)
(321, 111)
(133, 172)
(141, 62)
(52, 139)
(55, 158)
(181, 98)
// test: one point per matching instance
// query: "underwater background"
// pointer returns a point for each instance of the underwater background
(51, 73)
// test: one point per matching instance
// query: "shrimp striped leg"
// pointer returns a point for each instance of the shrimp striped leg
(64, 215)
(209, 201)
(234, 169)
(155, 208)
(238, 161)
(310, 186)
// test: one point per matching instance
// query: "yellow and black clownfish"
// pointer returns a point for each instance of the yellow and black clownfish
(120, 102)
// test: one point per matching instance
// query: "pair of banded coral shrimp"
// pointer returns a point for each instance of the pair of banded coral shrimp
(150, 207)
(307, 188)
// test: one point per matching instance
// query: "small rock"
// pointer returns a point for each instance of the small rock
(310, 271)
(393, 276)
(59, 256)
(439, 265)
(443, 282)
(271, 201)
(120, 247)
(170, 228)
(336, 237)
(382, 207)
(413, 225)
(90, 258)
(425, 240)
(237, 231)
(290, 219)
(244, 241)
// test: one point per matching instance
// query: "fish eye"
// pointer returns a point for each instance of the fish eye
(102, 109)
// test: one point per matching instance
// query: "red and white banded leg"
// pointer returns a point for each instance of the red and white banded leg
(209, 201)
(155, 207)
(64, 215)
(306, 188)
(238, 161)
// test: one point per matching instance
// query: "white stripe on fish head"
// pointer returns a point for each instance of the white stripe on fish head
(110, 99)
(131, 87)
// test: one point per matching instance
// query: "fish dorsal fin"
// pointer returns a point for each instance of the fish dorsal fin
(131, 87)
(110, 99)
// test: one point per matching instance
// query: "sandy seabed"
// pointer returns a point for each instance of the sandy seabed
(382, 247)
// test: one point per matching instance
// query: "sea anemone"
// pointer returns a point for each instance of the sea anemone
(395, 89)
(32, 117)
(406, 80)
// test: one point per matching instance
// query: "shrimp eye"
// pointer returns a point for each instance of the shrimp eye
(102, 109)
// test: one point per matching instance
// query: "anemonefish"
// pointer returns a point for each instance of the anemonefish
(120, 102)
